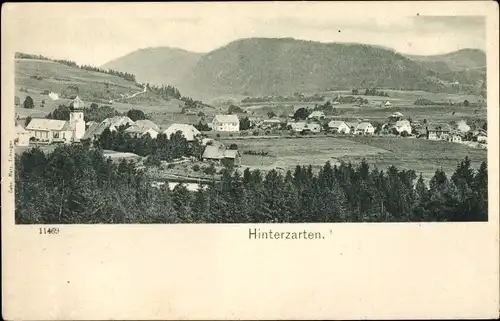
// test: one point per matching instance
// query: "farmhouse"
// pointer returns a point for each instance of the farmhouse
(139, 131)
(339, 127)
(365, 128)
(316, 115)
(352, 126)
(96, 129)
(188, 131)
(217, 152)
(481, 136)
(304, 126)
(22, 136)
(147, 124)
(50, 130)
(438, 131)
(118, 121)
(403, 126)
(272, 122)
(387, 104)
(226, 123)
(455, 138)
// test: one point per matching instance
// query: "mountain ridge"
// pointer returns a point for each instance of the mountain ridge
(262, 66)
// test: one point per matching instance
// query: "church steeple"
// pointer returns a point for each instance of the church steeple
(76, 118)
(78, 104)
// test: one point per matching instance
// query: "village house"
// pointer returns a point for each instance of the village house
(226, 123)
(188, 131)
(339, 127)
(305, 127)
(403, 126)
(96, 129)
(271, 123)
(365, 128)
(455, 137)
(22, 136)
(118, 121)
(317, 115)
(438, 131)
(352, 126)
(139, 131)
(217, 152)
(143, 127)
(481, 136)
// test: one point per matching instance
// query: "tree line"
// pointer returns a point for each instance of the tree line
(157, 149)
(70, 63)
(77, 184)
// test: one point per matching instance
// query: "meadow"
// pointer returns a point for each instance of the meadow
(423, 156)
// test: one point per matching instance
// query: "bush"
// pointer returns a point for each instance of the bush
(218, 135)
(170, 166)
(209, 170)
(256, 133)
(152, 160)
(196, 167)
(230, 135)
(268, 132)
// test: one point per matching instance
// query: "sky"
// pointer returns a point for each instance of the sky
(95, 34)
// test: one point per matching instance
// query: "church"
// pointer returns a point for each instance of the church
(59, 131)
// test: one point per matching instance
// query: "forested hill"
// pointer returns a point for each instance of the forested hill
(261, 66)
(454, 61)
(160, 65)
(283, 66)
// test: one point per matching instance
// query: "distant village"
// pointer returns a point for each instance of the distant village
(51, 131)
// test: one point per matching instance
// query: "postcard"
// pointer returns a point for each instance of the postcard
(250, 160)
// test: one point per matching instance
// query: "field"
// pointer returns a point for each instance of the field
(423, 156)
(402, 101)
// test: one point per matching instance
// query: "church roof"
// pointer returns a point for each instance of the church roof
(47, 124)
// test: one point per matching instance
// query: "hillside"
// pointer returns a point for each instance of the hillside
(161, 65)
(261, 66)
(45, 75)
(454, 61)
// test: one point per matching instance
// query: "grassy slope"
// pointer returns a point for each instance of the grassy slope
(93, 87)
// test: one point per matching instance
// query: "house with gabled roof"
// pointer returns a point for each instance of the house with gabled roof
(226, 123)
(188, 131)
(217, 152)
(339, 126)
(365, 128)
(438, 131)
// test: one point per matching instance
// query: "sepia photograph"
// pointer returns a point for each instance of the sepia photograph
(364, 121)
(282, 160)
